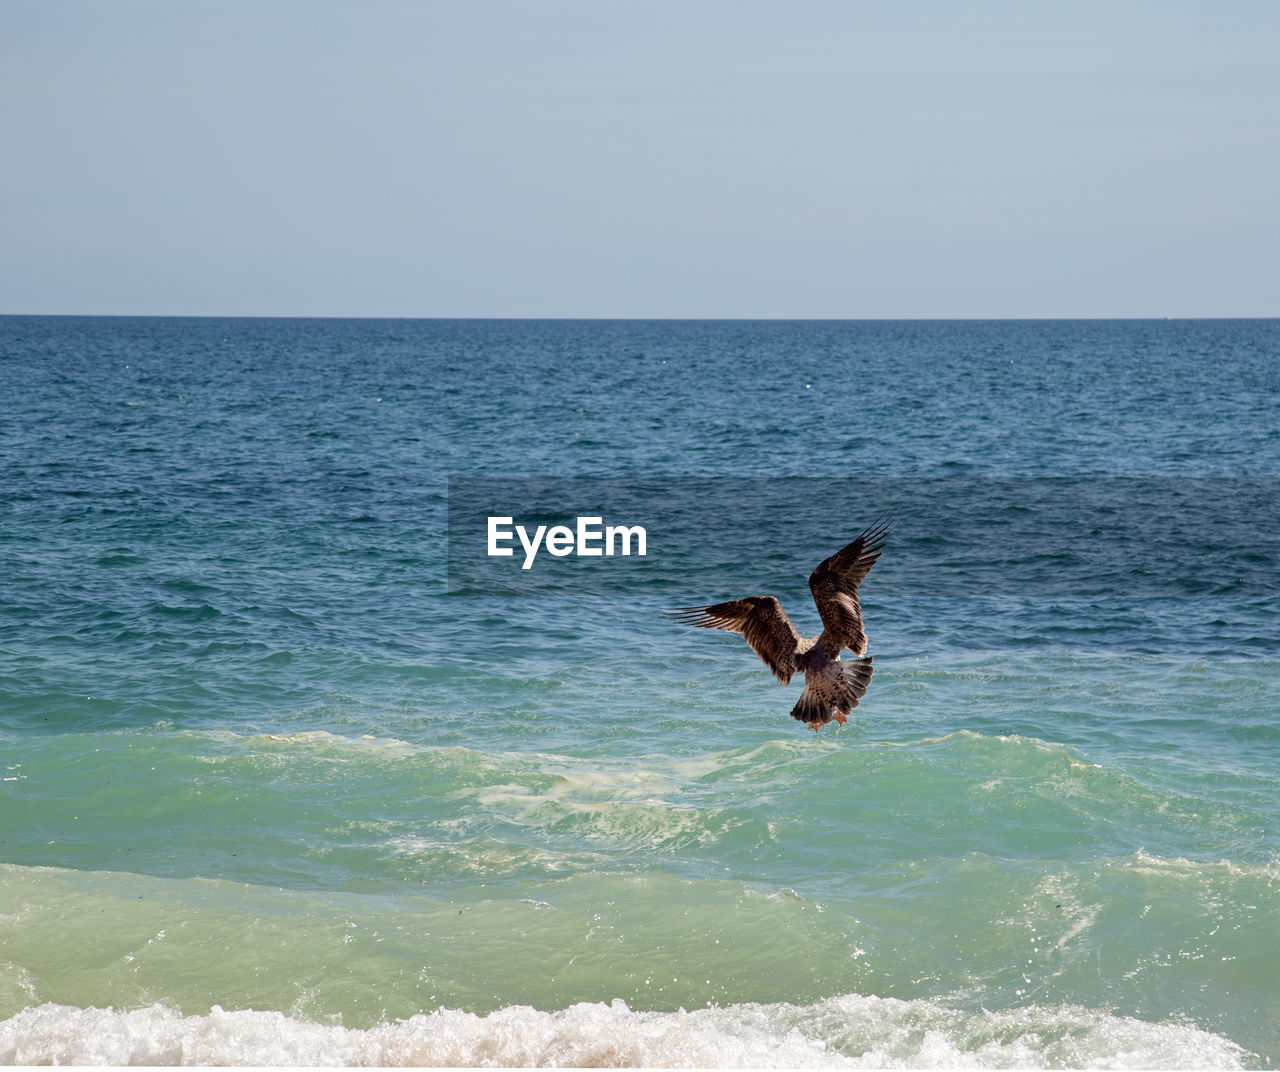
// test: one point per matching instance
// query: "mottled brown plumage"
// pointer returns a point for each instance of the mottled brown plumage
(832, 688)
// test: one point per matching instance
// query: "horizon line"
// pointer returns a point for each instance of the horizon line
(634, 319)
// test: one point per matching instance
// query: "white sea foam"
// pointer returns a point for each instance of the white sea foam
(324, 739)
(850, 1031)
(1146, 863)
(634, 808)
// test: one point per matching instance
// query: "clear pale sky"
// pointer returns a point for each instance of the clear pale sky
(699, 158)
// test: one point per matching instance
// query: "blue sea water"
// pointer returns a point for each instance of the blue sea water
(293, 772)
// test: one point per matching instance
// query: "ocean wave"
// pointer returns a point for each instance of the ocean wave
(850, 1031)
(325, 743)
(1178, 867)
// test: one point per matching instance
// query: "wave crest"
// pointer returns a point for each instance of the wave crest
(850, 1031)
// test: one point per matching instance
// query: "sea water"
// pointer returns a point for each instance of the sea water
(292, 771)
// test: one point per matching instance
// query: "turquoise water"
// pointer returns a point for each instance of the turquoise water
(290, 774)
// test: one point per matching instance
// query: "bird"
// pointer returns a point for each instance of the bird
(832, 688)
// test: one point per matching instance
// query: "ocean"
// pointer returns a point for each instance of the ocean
(293, 770)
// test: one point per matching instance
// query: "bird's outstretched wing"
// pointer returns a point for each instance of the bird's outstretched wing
(761, 621)
(834, 585)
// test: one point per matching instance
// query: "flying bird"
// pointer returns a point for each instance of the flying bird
(832, 688)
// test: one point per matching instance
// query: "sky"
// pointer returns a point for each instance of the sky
(665, 158)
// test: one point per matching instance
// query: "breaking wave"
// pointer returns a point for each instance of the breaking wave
(851, 1031)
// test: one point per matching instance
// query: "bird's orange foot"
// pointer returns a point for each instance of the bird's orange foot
(842, 719)
(815, 726)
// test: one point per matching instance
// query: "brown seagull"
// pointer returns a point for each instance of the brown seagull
(831, 688)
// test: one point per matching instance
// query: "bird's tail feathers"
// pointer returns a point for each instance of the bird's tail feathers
(850, 685)
(809, 708)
